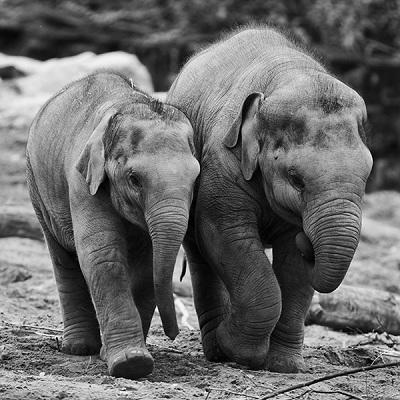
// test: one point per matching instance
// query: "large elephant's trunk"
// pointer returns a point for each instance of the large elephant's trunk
(334, 231)
(167, 222)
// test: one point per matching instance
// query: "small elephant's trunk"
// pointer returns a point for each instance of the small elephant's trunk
(334, 232)
(167, 222)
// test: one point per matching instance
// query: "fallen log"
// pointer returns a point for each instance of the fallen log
(21, 221)
(11, 272)
(356, 309)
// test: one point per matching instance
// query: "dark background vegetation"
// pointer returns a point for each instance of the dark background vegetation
(359, 41)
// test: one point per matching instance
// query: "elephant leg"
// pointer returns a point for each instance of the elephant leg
(239, 260)
(211, 301)
(102, 251)
(292, 272)
(142, 284)
(81, 329)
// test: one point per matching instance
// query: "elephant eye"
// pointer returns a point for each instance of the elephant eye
(296, 180)
(134, 180)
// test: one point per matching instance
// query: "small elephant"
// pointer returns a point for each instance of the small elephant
(111, 173)
(284, 164)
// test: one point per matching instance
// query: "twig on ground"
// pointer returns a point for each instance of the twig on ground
(343, 392)
(51, 331)
(166, 349)
(393, 353)
(268, 387)
(209, 389)
(377, 358)
(328, 377)
(169, 350)
(88, 364)
(307, 392)
(374, 337)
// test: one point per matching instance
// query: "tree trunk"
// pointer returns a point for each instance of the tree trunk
(21, 221)
(356, 309)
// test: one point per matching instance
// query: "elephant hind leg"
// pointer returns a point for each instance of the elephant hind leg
(81, 329)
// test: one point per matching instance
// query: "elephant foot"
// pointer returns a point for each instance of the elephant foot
(130, 362)
(284, 361)
(81, 342)
(242, 350)
(211, 348)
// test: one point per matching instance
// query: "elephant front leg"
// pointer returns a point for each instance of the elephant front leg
(238, 257)
(292, 271)
(102, 255)
(142, 282)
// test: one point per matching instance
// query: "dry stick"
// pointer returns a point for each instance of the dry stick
(328, 377)
(343, 392)
(391, 353)
(255, 383)
(231, 392)
(168, 349)
(38, 328)
(87, 365)
(307, 392)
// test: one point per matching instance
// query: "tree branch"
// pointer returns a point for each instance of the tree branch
(327, 378)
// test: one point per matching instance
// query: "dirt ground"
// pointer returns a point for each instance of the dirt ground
(31, 365)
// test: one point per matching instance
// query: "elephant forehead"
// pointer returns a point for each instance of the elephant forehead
(315, 127)
(338, 128)
(151, 136)
(319, 95)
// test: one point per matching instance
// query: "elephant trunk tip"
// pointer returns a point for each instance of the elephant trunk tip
(172, 332)
(167, 312)
(322, 286)
(325, 275)
(329, 274)
(171, 329)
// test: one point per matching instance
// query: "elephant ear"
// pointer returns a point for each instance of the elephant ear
(91, 162)
(245, 126)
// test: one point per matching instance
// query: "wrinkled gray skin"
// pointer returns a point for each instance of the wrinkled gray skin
(284, 164)
(111, 175)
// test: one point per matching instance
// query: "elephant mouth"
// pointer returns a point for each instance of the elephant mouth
(305, 247)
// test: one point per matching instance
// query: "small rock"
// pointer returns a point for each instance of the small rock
(108, 380)
(12, 273)
(6, 352)
(62, 395)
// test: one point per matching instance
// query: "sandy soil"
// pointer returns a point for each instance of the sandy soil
(31, 365)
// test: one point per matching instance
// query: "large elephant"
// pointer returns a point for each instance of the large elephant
(284, 163)
(111, 173)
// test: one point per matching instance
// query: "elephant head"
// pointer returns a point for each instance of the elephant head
(307, 138)
(143, 153)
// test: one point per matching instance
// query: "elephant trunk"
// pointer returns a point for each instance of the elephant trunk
(334, 231)
(167, 222)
